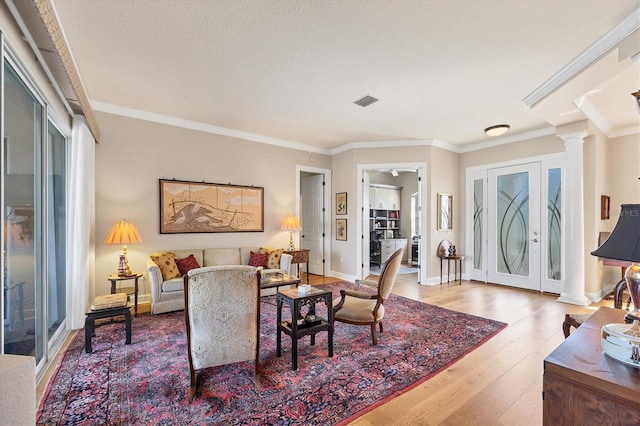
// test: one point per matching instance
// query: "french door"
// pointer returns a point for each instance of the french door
(514, 226)
(515, 223)
(33, 171)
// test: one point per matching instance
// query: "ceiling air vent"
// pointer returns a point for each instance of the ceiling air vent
(365, 101)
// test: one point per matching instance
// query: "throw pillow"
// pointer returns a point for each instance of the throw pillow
(187, 264)
(273, 261)
(258, 259)
(167, 264)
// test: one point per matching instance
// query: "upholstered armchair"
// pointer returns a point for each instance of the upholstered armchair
(361, 308)
(222, 312)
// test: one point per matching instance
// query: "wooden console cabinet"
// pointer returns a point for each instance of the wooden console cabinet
(584, 386)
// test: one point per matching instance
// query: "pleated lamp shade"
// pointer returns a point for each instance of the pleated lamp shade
(123, 232)
(291, 223)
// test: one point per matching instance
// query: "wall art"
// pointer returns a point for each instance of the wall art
(341, 203)
(200, 207)
(341, 229)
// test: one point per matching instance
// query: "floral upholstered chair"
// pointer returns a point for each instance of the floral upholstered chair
(361, 308)
(222, 312)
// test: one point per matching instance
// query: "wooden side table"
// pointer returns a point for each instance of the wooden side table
(300, 256)
(444, 254)
(129, 290)
(583, 385)
(90, 324)
(457, 260)
(296, 300)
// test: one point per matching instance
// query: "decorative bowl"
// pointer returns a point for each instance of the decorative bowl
(620, 346)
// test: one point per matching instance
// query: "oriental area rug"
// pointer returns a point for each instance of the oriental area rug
(147, 381)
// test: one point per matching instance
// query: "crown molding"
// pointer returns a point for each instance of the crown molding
(628, 131)
(593, 114)
(223, 131)
(381, 144)
(507, 140)
(587, 58)
(202, 127)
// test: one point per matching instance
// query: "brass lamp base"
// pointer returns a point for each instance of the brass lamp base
(291, 246)
(632, 277)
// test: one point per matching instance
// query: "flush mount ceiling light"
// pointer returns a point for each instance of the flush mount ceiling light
(365, 101)
(497, 130)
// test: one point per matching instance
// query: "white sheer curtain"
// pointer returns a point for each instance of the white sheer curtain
(81, 203)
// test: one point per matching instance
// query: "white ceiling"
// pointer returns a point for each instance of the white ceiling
(289, 71)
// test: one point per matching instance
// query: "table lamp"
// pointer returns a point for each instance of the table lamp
(291, 223)
(123, 232)
(624, 244)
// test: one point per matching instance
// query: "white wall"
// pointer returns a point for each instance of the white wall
(624, 171)
(134, 154)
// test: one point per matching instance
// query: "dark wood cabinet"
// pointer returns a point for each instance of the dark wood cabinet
(582, 385)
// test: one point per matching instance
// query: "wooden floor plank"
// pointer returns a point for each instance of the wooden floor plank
(501, 381)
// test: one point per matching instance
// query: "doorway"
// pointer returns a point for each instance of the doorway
(381, 224)
(313, 188)
(515, 224)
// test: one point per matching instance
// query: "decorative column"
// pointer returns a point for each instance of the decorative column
(573, 220)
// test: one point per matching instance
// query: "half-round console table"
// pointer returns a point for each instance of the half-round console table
(443, 254)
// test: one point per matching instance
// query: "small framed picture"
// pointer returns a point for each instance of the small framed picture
(341, 203)
(341, 229)
(605, 207)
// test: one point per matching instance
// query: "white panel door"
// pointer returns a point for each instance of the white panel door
(514, 226)
(313, 221)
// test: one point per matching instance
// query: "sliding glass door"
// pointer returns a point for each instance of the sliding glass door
(23, 121)
(56, 215)
(34, 161)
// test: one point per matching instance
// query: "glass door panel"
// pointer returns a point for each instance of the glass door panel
(56, 231)
(478, 224)
(554, 222)
(23, 325)
(514, 226)
(552, 251)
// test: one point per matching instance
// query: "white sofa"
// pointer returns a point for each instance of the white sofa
(167, 296)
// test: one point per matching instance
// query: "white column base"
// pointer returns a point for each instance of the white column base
(574, 300)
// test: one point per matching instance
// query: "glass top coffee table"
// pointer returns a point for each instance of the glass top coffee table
(277, 279)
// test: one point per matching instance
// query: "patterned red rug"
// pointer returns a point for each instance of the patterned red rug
(147, 382)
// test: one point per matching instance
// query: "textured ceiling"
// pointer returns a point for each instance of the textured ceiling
(290, 70)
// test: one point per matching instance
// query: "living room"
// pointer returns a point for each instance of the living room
(137, 147)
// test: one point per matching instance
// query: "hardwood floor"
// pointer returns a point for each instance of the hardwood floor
(499, 383)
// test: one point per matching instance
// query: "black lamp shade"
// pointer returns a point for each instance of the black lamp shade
(624, 241)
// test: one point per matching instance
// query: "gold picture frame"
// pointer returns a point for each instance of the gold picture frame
(200, 207)
(341, 203)
(605, 207)
(341, 229)
(445, 212)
